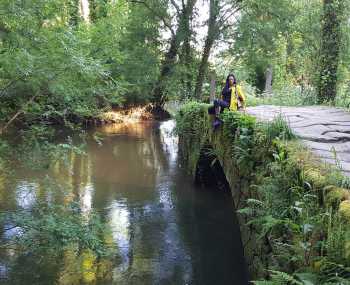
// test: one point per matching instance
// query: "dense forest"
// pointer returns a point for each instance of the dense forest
(66, 60)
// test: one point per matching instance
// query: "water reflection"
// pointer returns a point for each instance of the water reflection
(26, 194)
(120, 223)
(161, 226)
(85, 197)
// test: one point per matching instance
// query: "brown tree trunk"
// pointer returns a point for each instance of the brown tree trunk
(212, 87)
(159, 96)
(213, 32)
(218, 22)
(187, 60)
(203, 67)
(73, 7)
(167, 65)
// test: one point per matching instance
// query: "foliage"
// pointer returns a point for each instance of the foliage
(191, 124)
(190, 120)
(333, 11)
(279, 128)
(279, 278)
(286, 198)
(54, 228)
(239, 128)
(291, 37)
(56, 69)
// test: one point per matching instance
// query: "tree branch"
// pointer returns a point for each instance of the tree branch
(178, 10)
(165, 22)
(226, 16)
(17, 114)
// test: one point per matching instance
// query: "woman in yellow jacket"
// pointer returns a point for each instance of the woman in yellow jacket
(232, 98)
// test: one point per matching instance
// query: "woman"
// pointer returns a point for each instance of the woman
(232, 98)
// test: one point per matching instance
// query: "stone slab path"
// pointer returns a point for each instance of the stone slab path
(325, 130)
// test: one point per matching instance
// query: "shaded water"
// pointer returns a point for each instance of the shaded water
(165, 230)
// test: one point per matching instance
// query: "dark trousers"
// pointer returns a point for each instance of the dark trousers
(221, 103)
(218, 103)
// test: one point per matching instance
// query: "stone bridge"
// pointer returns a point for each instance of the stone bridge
(210, 156)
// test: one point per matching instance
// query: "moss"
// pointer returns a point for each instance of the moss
(315, 177)
(335, 195)
(344, 210)
(316, 266)
(347, 250)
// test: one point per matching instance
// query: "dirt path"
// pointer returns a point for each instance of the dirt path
(325, 130)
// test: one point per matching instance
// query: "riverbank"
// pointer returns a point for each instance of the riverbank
(133, 114)
(147, 112)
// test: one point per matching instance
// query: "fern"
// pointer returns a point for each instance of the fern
(279, 278)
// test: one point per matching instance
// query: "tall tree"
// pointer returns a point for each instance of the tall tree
(221, 16)
(276, 39)
(330, 48)
(98, 9)
(177, 37)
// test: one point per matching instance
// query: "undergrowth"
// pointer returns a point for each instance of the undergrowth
(295, 205)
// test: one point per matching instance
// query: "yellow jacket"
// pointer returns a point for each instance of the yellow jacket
(233, 103)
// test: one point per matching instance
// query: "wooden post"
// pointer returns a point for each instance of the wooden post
(268, 82)
(212, 87)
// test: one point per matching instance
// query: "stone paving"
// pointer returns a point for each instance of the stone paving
(325, 130)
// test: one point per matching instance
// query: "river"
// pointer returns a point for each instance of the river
(165, 229)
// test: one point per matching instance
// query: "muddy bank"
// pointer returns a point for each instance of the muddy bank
(132, 114)
(147, 112)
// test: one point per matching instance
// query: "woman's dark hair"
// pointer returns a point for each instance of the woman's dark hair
(227, 86)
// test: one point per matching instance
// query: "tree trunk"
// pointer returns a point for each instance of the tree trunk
(213, 32)
(187, 59)
(330, 46)
(212, 87)
(84, 10)
(167, 65)
(159, 96)
(97, 9)
(268, 82)
(203, 67)
(73, 6)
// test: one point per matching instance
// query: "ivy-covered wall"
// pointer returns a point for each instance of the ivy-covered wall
(294, 211)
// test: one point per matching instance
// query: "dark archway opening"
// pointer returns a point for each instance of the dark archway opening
(220, 224)
(209, 172)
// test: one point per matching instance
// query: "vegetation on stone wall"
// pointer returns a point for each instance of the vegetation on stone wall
(298, 208)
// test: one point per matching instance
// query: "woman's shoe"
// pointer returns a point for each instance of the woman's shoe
(217, 123)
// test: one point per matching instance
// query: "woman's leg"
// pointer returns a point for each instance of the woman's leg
(220, 104)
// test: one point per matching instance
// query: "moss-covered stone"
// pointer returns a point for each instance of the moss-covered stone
(315, 177)
(335, 195)
(344, 210)
(347, 250)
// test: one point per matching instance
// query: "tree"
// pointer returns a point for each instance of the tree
(181, 34)
(46, 68)
(330, 49)
(283, 36)
(221, 16)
